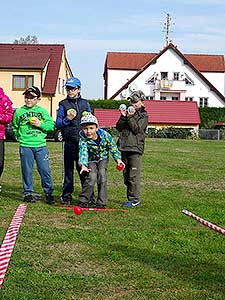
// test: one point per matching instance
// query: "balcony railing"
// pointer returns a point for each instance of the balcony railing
(166, 84)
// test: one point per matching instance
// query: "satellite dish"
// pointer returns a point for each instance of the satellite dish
(133, 87)
(123, 94)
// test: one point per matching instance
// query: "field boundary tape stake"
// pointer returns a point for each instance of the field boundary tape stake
(9, 240)
(204, 222)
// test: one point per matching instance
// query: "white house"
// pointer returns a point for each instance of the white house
(168, 75)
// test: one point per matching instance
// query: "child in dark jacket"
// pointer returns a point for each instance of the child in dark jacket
(95, 145)
(132, 125)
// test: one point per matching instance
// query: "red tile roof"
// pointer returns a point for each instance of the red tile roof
(107, 117)
(159, 112)
(128, 61)
(23, 56)
(172, 112)
(135, 61)
(206, 62)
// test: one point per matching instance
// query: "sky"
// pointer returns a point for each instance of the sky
(89, 29)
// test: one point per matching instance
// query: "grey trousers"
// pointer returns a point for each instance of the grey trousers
(96, 175)
(132, 174)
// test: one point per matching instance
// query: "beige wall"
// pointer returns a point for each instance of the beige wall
(48, 102)
(6, 83)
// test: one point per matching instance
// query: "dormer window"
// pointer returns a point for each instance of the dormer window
(152, 79)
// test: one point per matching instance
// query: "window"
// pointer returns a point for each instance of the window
(203, 102)
(162, 98)
(164, 75)
(175, 98)
(22, 82)
(189, 99)
(176, 75)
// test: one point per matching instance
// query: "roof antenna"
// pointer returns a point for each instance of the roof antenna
(167, 28)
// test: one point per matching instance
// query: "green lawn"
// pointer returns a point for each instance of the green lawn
(151, 252)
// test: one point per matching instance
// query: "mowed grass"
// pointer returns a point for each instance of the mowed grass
(151, 252)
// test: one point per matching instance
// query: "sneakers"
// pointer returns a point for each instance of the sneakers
(37, 196)
(66, 200)
(131, 204)
(82, 204)
(29, 198)
(49, 199)
(98, 205)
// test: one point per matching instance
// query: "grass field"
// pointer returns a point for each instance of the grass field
(151, 252)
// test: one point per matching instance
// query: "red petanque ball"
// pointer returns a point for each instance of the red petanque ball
(120, 167)
(77, 210)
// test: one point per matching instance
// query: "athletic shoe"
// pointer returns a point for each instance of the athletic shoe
(66, 200)
(100, 206)
(131, 204)
(49, 199)
(82, 204)
(37, 196)
(29, 198)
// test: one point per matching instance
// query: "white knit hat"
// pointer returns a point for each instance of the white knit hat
(88, 118)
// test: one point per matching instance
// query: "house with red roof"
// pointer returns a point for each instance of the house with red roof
(167, 75)
(162, 113)
(42, 65)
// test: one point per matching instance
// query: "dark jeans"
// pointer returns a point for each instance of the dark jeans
(97, 174)
(71, 157)
(132, 174)
(2, 155)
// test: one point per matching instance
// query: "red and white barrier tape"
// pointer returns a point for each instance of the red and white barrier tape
(9, 240)
(204, 222)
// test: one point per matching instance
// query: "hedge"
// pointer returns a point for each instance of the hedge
(107, 104)
(209, 116)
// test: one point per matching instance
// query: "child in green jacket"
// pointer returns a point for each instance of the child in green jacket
(31, 123)
(95, 146)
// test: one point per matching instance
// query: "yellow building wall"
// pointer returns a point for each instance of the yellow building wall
(6, 83)
(48, 102)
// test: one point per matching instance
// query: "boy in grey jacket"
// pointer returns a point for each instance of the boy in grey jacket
(132, 125)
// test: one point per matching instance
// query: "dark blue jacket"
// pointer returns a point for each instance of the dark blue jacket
(71, 128)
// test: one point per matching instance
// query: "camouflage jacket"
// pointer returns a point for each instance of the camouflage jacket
(90, 151)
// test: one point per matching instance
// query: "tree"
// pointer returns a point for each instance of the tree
(30, 39)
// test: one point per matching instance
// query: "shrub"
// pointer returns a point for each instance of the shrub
(107, 104)
(171, 133)
(211, 115)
